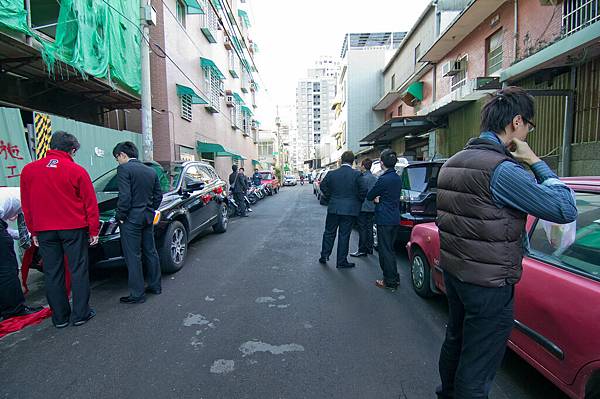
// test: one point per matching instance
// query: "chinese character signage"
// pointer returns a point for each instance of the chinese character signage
(14, 153)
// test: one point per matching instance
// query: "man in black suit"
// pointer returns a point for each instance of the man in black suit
(344, 192)
(140, 196)
(238, 184)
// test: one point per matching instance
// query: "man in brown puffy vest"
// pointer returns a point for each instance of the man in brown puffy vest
(484, 196)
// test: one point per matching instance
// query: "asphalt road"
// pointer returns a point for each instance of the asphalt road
(253, 318)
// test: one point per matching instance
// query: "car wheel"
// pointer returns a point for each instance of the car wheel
(174, 248)
(420, 273)
(222, 219)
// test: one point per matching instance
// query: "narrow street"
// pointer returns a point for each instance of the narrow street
(251, 319)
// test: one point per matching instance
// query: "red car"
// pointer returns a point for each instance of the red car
(557, 301)
(269, 179)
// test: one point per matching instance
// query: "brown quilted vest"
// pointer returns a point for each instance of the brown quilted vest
(480, 243)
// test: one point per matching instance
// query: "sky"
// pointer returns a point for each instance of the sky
(292, 34)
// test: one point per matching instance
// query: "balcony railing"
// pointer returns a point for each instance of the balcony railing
(578, 14)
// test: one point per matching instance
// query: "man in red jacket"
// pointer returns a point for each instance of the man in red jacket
(61, 212)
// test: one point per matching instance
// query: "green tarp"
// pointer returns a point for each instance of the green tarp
(100, 38)
(209, 64)
(14, 151)
(13, 15)
(196, 99)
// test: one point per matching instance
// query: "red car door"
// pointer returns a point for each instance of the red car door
(557, 301)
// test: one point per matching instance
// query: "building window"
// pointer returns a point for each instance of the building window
(417, 53)
(209, 22)
(494, 53)
(577, 14)
(393, 83)
(400, 110)
(212, 86)
(316, 87)
(186, 107)
(180, 12)
(460, 78)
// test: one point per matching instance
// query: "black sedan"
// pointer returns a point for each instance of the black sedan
(193, 201)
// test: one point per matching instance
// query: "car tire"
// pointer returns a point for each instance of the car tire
(420, 274)
(222, 219)
(173, 250)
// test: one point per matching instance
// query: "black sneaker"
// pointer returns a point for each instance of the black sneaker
(61, 325)
(89, 317)
(132, 300)
(153, 291)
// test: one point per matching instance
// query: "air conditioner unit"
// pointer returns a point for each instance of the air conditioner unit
(451, 68)
(230, 101)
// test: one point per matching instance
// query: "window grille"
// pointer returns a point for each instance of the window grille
(578, 14)
(186, 107)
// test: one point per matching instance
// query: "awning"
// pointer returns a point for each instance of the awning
(256, 163)
(400, 127)
(217, 4)
(193, 7)
(236, 43)
(244, 15)
(386, 101)
(246, 110)
(209, 64)
(413, 93)
(184, 90)
(218, 150)
(238, 98)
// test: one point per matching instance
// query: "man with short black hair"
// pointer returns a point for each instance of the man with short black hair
(256, 178)
(238, 186)
(344, 192)
(365, 218)
(386, 195)
(61, 212)
(140, 196)
(483, 198)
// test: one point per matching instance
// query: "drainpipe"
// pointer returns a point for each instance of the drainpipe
(565, 166)
(516, 31)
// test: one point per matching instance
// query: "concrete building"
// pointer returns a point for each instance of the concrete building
(359, 86)
(551, 49)
(204, 92)
(314, 96)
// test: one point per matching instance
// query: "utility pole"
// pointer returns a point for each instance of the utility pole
(147, 143)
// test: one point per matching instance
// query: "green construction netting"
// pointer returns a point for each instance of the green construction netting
(100, 38)
(13, 15)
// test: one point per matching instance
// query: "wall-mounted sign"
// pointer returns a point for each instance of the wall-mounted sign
(99, 152)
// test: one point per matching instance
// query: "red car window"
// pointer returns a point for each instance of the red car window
(583, 255)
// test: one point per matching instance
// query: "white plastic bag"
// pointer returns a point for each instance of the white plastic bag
(560, 236)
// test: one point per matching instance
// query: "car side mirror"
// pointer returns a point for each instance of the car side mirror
(193, 186)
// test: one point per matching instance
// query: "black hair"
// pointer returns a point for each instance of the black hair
(242, 169)
(64, 141)
(348, 157)
(389, 158)
(507, 103)
(234, 167)
(367, 163)
(127, 148)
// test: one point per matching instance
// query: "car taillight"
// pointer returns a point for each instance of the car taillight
(407, 223)
(218, 190)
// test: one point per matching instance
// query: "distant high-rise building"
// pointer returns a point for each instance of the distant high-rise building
(314, 97)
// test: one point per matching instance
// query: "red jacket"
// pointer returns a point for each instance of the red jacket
(57, 194)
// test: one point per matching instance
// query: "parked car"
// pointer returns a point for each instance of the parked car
(557, 301)
(290, 180)
(318, 181)
(193, 201)
(269, 179)
(418, 197)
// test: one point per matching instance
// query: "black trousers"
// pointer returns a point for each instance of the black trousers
(386, 235)
(137, 242)
(241, 203)
(54, 246)
(342, 226)
(479, 324)
(365, 232)
(12, 300)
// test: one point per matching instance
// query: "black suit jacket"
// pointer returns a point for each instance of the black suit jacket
(344, 190)
(139, 192)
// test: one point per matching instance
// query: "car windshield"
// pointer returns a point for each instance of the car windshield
(418, 179)
(266, 176)
(107, 183)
